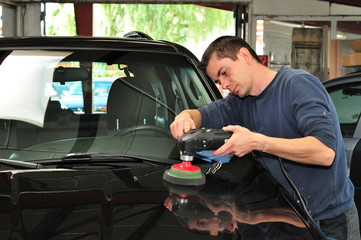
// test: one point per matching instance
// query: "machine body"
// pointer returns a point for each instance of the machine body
(201, 139)
(195, 141)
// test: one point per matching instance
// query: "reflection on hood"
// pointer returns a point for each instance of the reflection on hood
(238, 197)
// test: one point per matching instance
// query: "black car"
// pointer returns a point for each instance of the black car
(345, 92)
(87, 174)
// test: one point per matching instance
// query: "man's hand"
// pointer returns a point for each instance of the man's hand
(239, 144)
(184, 122)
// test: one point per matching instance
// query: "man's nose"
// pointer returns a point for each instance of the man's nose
(224, 84)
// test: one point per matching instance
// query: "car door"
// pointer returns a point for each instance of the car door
(346, 96)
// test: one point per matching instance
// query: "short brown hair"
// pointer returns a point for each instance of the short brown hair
(226, 47)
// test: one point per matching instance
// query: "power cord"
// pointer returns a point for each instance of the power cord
(299, 195)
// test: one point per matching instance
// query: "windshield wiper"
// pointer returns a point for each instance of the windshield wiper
(85, 158)
(20, 164)
(89, 158)
(77, 156)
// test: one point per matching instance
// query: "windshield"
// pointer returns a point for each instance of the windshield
(59, 102)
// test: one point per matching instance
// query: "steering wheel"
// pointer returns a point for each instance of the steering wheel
(144, 128)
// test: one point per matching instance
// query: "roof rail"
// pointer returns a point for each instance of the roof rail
(137, 35)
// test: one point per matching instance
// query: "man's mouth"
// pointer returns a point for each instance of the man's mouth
(234, 90)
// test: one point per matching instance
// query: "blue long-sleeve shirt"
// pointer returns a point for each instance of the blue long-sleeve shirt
(294, 105)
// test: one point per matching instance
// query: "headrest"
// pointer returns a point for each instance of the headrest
(54, 105)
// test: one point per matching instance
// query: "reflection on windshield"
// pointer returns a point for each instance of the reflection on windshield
(25, 81)
(64, 102)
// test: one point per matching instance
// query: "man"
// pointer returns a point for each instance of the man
(286, 116)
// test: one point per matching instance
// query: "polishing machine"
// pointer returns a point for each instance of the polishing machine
(195, 141)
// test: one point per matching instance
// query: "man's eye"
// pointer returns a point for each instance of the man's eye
(200, 223)
(224, 73)
(217, 82)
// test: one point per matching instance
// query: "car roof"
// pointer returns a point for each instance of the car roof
(349, 78)
(89, 43)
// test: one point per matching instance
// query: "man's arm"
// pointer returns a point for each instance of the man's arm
(307, 150)
(185, 121)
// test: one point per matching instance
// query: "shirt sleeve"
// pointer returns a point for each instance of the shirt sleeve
(219, 113)
(313, 109)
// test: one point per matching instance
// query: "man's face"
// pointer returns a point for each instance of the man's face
(212, 225)
(229, 74)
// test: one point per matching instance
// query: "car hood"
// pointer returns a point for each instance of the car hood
(135, 203)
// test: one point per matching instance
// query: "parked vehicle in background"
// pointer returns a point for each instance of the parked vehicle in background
(98, 174)
(73, 98)
(345, 92)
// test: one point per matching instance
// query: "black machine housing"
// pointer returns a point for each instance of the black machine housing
(201, 139)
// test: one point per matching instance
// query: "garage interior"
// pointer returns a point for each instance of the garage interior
(314, 35)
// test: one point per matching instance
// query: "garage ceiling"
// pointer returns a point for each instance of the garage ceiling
(220, 4)
(353, 26)
(356, 3)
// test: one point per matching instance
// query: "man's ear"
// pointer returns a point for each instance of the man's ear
(244, 54)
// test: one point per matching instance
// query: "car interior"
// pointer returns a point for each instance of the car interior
(143, 100)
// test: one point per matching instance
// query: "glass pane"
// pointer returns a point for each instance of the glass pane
(95, 101)
(347, 103)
